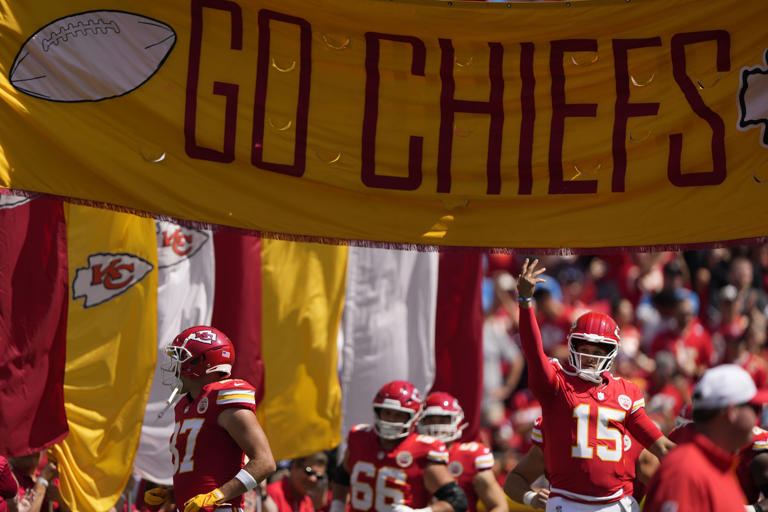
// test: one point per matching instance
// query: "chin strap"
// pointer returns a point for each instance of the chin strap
(169, 402)
(591, 377)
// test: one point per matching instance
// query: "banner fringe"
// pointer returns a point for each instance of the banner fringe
(402, 246)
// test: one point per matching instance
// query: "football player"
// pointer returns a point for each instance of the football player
(470, 463)
(216, 427)
(586, 410)
(639, 465)
(388, 467)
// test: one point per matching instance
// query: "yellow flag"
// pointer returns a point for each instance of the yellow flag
(111, 352)
(302, 298)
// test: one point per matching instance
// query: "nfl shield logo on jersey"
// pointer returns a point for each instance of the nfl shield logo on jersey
(455, 468)
(625, 402)
(404, 459)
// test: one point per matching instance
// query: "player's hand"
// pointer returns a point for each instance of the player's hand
(157, 496)
(201, 501)
(529, 277)
(540, 500)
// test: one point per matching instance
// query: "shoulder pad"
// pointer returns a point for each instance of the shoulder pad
(361, 427)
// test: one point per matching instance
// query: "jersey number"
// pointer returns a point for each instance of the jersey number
(363, 494)
(582, 450)
(193, 426)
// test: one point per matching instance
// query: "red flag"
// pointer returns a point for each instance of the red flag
(459, 334)
(237, 303)
(33, 319)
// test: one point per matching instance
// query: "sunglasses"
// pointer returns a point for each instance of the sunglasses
(309, 472)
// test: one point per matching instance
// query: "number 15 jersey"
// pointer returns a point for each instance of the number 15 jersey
(380, 478)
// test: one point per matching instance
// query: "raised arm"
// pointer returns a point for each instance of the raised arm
(541, 375)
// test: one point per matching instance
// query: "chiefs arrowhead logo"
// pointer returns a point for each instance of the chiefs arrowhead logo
(107, 276)
(176, 243)
(753, 99)
(10, 200)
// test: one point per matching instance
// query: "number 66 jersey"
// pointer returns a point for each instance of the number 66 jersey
(204, 455)
(379, 479)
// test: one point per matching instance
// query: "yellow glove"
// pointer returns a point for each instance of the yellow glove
(157, 496)
(200, 501)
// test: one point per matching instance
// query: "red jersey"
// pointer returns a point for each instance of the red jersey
(204, 455)
(466, 460)
(695, 477)
(379, 478)
(759, 444)
(584, 424)
(287, 500)
(632, 450)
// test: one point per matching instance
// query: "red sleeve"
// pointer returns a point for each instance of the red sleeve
(541, 375)
(8, 486)
(642, 428)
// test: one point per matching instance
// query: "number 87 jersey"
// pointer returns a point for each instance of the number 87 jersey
(203, 453)
(380, 478)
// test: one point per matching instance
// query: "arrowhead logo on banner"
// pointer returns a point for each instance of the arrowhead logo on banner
(753, 99)
(107, 276)
(176, 243)
(9, 200)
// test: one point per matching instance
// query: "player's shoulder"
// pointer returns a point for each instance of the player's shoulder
(361, 429)
(622, 385)
(472, 448)
(422, 445)
(232, 392)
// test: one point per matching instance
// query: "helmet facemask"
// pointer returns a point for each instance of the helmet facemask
(445, 432)
(599, 363)
(391, 429)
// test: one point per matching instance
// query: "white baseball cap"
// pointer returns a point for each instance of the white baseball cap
(724, 385)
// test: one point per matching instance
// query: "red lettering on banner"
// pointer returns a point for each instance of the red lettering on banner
(371, 115)
(625, 109)
(561, 110)
(302, 107)
(110, 275)
(674, 171)
(449, 106)
(229, 91)
(527, 119)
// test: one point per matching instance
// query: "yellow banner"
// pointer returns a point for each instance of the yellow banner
(578, 124)
(302, 299)
(111, 350)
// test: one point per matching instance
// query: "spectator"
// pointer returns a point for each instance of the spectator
(36, 489)
(9, 488)
(697, 475)
(688, 341)
(294, 492)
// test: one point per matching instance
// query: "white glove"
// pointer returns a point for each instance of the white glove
(399, 507)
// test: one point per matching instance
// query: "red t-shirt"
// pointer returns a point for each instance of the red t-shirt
(695, 477)
(379, 478)
(8, 486)
(204, 454)
(466, 460)
(692, 348)
(286, 500)
(584, 424)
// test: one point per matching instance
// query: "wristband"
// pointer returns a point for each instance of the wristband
(246, 479)
(525, 299)
(43, 481)
(528, 497)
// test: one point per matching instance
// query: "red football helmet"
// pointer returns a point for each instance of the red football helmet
(398, 395)
(443, 404)
(595, 328)
(200, 350)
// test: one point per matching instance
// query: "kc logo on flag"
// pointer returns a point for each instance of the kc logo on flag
(176, 243)
(107, 276)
